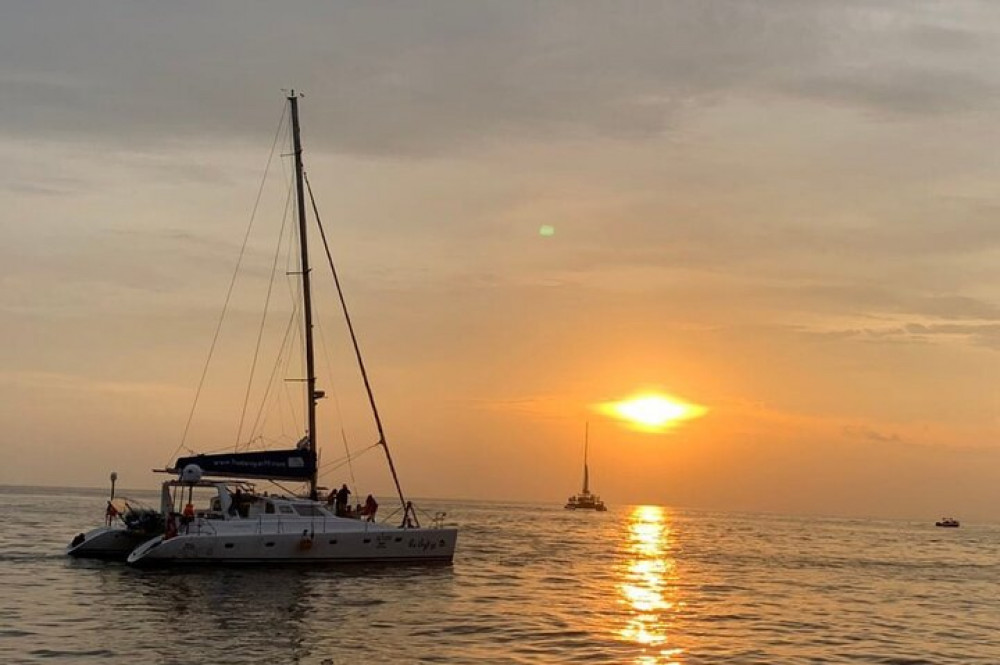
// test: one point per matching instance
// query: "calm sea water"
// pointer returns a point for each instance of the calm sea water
(530, 584)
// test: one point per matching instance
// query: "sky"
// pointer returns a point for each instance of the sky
(784, 212)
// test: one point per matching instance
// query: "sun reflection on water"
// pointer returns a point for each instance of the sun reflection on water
(648, 587)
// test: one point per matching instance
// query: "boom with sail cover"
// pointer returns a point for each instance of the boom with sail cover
(294, 464)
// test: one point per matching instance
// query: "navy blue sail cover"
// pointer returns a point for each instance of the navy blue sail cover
(293, 464)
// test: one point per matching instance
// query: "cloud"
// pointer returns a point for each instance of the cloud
(429, 78)
(905, 91)
(881, 303)
(54, 382)
(868, 434)
(956, 307)
(981, 334)
(978, 334)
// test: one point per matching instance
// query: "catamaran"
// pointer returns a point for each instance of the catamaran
(585, 500)
(234, 522)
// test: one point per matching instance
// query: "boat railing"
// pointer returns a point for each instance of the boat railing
(198, 525)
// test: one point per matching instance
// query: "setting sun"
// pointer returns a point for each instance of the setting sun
(652, 412)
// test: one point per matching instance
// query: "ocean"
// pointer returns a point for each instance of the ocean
(530, 584)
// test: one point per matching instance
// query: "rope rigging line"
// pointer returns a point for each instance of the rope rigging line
(350, 460)
(263, 321)
(274, 372)
(272, 395)
(232, 284)
(336, 398)
(354, 342)
(258, 439)
(282, 396)
(341, 461)
(283, 358)
(285, 400)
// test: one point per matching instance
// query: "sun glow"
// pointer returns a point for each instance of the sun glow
(652, 412)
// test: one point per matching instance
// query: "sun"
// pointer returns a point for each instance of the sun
(652, 412)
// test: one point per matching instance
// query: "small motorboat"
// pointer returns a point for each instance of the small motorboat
(948, 522)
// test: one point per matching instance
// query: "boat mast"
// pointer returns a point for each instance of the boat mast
(586, 442)
(300, 198)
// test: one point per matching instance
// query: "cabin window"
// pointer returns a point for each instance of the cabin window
(286, 509)
(269, 508)
(308, 510)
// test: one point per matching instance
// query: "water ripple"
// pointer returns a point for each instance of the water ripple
(530, 584)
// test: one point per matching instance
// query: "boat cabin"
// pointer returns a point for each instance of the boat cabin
(234, 500)
(585, 501)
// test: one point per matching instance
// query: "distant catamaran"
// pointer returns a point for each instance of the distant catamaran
(585, 500)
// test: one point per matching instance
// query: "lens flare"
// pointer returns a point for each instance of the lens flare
(652, 412)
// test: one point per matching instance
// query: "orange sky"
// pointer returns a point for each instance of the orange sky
(783, 213)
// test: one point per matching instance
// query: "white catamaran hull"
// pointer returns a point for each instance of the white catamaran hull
(374, 545)
(106, 542)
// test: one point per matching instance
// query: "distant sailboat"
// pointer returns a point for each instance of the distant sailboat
(585, 500)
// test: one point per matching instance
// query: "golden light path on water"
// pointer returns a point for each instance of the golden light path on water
(648, 587)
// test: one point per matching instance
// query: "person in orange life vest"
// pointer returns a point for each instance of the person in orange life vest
(187, 516)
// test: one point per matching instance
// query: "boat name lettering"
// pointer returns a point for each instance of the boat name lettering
(422, 544)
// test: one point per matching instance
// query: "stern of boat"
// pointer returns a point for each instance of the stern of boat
(108, 543)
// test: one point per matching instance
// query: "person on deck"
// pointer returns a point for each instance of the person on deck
(187, 516)
(342, 496)
(371, 507)
(111, 513)
(234, 502)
